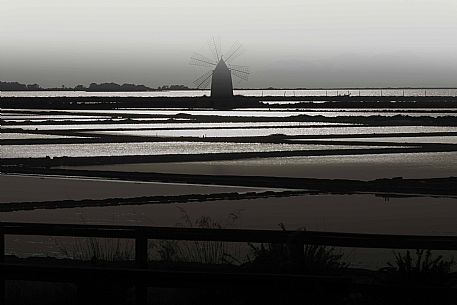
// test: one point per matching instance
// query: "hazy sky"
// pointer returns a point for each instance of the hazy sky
(288, 43)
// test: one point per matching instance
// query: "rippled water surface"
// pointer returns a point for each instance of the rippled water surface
(151, 148)
(161, 125)
(440, 139)
(366, 167)
(312, 131)
(10, 136)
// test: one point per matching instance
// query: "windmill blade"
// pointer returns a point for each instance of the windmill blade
(214, 47)
(198, 59)
(240, 75)
(241, 72)
(203, 81)
(235, 51)
(241, 69)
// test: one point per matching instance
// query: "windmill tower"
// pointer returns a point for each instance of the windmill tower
(221, 80)
(220, 75)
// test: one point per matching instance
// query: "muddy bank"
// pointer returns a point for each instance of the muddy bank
(62, 204)
(55, 188)
(236, 102)
(434, 186)
(372, 120)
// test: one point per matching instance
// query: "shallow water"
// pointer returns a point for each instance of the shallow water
(52, 188)
(152, 148)
(10, 136)
(52, 117)
(286, 131)
(161, 125)
(366, 167)
(439, 139)
(343, 213)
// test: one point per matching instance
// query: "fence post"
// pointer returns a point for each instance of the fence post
(295, 246)
(141, 250)
(2, 247)
(141, 261)
(297, 250)
(2, 259)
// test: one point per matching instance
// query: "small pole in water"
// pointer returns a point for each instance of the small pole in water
(425, 92)
(326, 93)
(359, 92)
(381, 92)
(403, 92)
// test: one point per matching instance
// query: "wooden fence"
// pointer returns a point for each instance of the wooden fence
(143, 277)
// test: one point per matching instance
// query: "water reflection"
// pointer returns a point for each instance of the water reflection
(152, 148)
(286, 131)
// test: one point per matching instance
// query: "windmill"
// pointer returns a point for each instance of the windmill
(222, 69)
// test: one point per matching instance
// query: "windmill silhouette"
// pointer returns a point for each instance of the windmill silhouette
(220, 75)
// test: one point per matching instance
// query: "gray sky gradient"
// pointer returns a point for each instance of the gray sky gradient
(289, 43)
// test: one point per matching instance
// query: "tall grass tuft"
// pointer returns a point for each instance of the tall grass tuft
(204, 252)
(421, 267)
(101, 251)
(97, 250)
(313, 258)
(418, 278)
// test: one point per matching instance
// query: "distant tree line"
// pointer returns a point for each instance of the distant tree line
(15, 86)
(173, 87)
(93, 87)
(113, 87)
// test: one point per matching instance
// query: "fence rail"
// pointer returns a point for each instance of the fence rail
(233, 235)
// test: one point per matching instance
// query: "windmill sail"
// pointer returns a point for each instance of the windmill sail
(200, 60)
(241, 72)
(203, 81)
(214, 47)
(235, 51)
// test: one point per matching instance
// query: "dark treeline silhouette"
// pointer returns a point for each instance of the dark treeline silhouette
(15, 86)
(173, 87)
(113, 87)
(93, 87)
